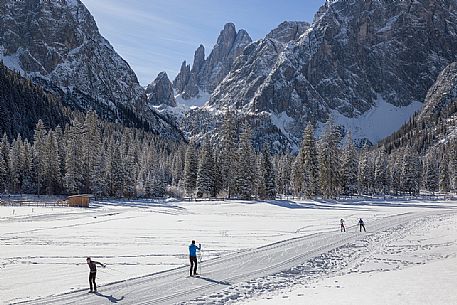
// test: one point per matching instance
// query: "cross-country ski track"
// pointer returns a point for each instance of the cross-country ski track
(222, 276)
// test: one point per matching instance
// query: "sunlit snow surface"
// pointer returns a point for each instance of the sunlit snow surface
(43, 250)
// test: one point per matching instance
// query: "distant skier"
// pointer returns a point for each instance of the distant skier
(362, 225)
(342, 228)
(93, 273)
(193, 257)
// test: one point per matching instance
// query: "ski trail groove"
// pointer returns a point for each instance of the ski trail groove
(174, 286)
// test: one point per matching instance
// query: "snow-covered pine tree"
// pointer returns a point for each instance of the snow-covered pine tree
(394, 172)
(246, 165)
(365, 175)
(218, 176)
(452, 158)
(98, 181)
(380, 173)
(283, 173)
(259, 178)
(228, 144)
(329, 161)
(58, 132)
(431, 174)
(73, 179)
(3, 173)
(117, 171)
(444, 177)
(91, 145)
(177, 167)
(297, 174)
(39, 160)
(205, 175)
(349, 167)
(52, 172)
(128, 154)
(268, 175)
(5, 151)
(410, 172)
(15, 165)
(27, 168)
(305, 169)
(190, 170)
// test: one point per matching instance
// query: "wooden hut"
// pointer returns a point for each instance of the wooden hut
(79, 201)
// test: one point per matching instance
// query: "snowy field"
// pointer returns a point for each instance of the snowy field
(303, 260)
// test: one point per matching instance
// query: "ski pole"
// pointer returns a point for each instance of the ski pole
(200, 254)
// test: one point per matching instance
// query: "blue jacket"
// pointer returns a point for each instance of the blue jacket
(193, 250)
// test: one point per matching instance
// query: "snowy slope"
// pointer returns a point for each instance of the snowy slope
(274, 242)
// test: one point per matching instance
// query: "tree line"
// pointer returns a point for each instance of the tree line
(89, 155)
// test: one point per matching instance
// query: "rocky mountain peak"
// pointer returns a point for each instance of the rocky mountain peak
(206, 74)
(288, 31)
(160, 91)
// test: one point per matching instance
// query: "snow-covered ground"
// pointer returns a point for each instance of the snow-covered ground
(44, 249)
(418, 266)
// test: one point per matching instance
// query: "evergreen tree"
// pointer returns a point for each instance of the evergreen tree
(394, 172)
(305, 170)
(365, 176)
(380, 173)
(228, 145)
(27, 168)
(190, 170)
(431, 175)
(39, 161)
(452, 161)
(3, 173)
(329, 162)
(117, 172)
(268, 175)
(349, 167)
(52, 165)
(205, 175)
(284, 170)
(246, 165)
(5, 150)
(410, 172)
(444, 181)
(15, 166)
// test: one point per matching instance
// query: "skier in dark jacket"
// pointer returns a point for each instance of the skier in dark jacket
(362, 225)
(193, 257)
(93, 273)
(342, 228)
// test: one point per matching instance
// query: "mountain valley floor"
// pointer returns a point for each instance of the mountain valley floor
(261, 252)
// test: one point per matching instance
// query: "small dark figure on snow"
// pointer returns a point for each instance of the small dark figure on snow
(93, 273)
(362, 225)
(193, 257)
(342, 228)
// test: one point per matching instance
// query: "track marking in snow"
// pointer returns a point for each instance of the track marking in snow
(243, 274)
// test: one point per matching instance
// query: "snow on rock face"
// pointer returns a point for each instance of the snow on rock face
(59, 41)
(57, 44)
(207, 73)
(353, 53)
(442, 93)
(160, 91)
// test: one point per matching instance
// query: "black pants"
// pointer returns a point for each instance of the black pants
(193, 264)
(92, 276)
(343, 229)
(362, 226)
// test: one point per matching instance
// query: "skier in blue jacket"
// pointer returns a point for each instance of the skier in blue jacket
(193, 257)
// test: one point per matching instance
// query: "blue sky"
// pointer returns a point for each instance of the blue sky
(157, 35)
